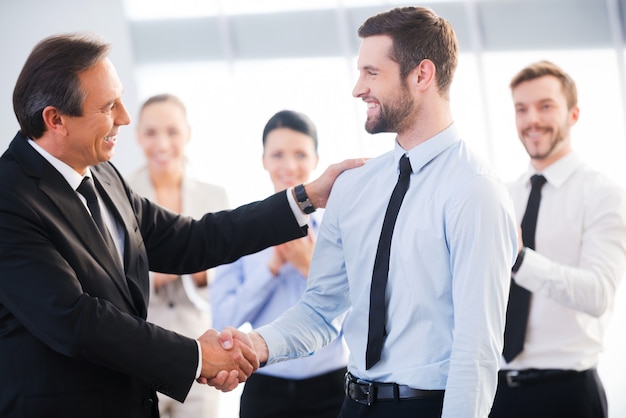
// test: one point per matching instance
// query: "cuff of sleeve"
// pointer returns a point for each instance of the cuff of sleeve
(199, 368)
(535, 272)
(519, 260)
(300, 217)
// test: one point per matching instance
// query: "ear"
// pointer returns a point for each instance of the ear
(423, 75)
(574, 113)
(53, 120)
(263, 161)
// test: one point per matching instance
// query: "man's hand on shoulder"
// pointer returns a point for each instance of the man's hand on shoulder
(319, 189)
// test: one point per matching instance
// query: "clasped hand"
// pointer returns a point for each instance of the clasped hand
(228, 358)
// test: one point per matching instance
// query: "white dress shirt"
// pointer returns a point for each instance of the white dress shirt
(578, 262)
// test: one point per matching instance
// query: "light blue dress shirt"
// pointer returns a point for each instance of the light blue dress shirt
(246, 291)
(453, 246)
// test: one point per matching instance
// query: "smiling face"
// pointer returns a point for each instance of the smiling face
(90, 138)
(163, 133)
(289, 156)
(543, 119)
(390, 105)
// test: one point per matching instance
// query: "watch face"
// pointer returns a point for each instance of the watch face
(306, 206)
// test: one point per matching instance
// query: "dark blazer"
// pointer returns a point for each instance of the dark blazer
(73, 336)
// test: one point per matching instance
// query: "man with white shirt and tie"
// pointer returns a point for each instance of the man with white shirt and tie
(570, 262)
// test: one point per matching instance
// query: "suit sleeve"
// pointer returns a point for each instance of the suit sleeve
(179, 244)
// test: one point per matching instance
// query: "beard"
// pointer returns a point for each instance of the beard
(558, 135)
(394, 116)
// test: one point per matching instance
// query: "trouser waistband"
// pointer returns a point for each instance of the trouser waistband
(515, 378)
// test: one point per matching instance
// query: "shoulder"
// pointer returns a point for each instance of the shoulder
(362, 174)
(596, 186)
(468, 174)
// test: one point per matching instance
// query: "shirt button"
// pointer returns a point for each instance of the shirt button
(147, 403)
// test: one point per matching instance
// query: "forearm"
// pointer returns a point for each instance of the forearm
(236, 299)
(299, 332)
(589, 290)
(217, 238)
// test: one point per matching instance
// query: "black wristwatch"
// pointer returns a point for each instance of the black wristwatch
(303, 199)
(519, 260)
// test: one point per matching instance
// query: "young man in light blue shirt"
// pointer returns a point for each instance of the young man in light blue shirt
(453, 245)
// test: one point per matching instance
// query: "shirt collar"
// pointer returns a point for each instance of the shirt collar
(558, 172)
(425, 152)
(68, 173)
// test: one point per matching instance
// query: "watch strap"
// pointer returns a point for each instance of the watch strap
(303, 199)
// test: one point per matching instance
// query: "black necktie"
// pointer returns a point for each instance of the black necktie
(88, 190)
(376, 334)
(519, 298)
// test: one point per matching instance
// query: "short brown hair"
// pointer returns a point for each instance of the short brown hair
(544, 68)
(50, 78)
(417, 34)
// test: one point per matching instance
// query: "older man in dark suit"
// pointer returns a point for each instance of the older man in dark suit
(74, 260)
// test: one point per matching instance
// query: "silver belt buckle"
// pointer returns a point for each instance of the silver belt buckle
(371, 389)
(509, 378)
(371, 392)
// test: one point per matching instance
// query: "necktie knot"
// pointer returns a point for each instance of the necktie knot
(537, 181)
(87, 189)
(405, 166)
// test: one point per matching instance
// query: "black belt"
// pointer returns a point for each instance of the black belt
(515, 378)
(366, 392)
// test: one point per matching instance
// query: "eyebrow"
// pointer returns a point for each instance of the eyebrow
(540, 101)
(369, 67)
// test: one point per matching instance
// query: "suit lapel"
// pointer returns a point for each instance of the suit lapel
(117, 202)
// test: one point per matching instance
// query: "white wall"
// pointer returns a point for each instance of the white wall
(23, 23)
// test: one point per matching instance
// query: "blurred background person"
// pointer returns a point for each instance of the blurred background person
(571, 260)
(177, 303)
(257, 288)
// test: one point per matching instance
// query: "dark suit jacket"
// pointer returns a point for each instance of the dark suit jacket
(73, 336)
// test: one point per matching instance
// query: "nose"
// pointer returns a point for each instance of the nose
(290, 164)
(532, 115)
(359, 88)
(122, 117)
(160, 141)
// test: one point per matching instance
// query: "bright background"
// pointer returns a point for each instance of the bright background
(235, 63)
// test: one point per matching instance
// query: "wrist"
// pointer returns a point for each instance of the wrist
(260, 347)
(519, 260)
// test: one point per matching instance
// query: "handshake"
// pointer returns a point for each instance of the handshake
(230, 357)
